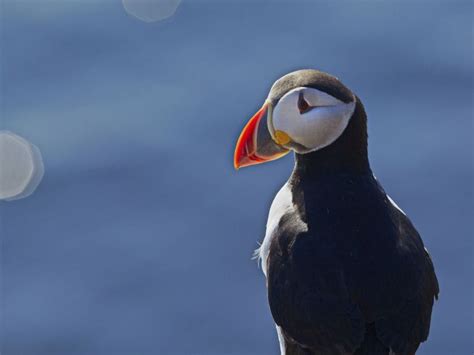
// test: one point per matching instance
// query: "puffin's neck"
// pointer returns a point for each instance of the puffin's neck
(347, 155)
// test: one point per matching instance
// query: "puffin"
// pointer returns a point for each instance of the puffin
(346, 271)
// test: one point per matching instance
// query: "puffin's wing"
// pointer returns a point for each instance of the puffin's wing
(408, 325)
(307, 293)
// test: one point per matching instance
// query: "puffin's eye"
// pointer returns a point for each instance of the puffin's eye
(303, 105)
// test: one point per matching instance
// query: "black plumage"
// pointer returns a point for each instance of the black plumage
(347, 272)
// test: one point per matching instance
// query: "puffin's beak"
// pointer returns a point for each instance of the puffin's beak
(255, 144)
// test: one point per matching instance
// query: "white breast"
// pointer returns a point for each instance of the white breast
(282, 203)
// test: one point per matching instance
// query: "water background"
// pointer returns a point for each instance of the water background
(139, 239)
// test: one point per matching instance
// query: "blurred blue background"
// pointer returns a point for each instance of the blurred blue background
(139, 239)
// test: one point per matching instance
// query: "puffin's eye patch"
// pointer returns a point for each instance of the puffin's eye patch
(303, 105)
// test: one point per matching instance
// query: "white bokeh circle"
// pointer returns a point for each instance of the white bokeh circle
(21, 167)
(151, 10)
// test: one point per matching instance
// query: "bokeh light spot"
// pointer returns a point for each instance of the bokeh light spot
(151, 10)
(21, 167)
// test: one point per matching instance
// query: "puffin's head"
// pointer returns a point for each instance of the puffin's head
(305, 111)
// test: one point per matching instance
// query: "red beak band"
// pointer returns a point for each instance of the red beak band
(256, 145)
(246, 149)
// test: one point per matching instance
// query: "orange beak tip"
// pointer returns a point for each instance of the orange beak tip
(246, 149)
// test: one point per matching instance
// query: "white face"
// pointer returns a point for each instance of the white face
(310, 118)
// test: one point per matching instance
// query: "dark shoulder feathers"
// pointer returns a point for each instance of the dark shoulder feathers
(347, 267)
